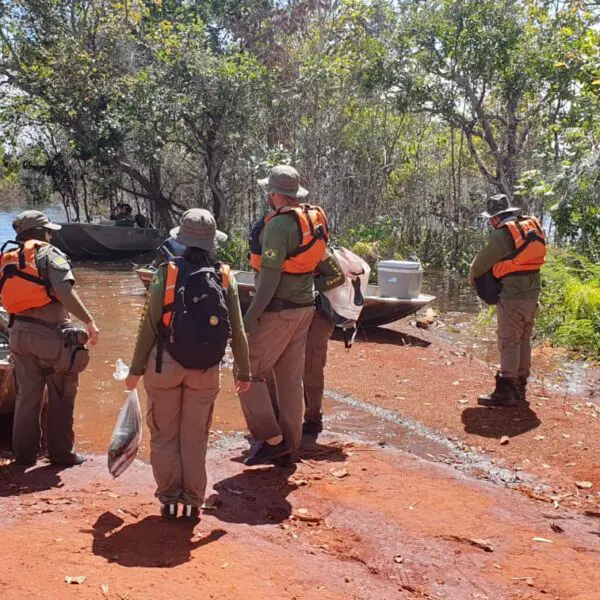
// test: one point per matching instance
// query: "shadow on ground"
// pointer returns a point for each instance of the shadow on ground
(382, 335)
(255, 496)
(150, 542)
(16, 481)
(496, 422)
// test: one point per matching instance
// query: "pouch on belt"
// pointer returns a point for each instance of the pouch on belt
(74, 356)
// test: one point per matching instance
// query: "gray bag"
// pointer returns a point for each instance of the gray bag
(74, 356)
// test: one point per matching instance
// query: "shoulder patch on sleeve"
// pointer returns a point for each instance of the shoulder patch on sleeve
(269, 253)
(58, 261)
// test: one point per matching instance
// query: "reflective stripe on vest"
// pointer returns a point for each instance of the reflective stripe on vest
(21, 286)
(314, 234)
(530, 248)
(171, 285)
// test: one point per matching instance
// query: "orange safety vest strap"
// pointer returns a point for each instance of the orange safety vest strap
(225, 276)
(169, 301)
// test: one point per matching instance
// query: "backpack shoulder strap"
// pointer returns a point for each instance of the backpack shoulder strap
(225, 275)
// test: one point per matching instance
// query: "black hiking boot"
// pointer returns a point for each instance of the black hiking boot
(312, 427)
(505, 393)
(521, 387)
(284, 461)
(73, 460)
(168, 512)
(265, 454)
(191, 512)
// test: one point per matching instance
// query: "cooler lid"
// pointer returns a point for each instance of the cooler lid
(400, 265)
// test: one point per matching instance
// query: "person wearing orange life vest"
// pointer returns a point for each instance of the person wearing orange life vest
(514, 254)
(286, 251)
(191, 310)
(37, 289)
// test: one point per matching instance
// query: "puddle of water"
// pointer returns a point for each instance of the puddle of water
(115, 296)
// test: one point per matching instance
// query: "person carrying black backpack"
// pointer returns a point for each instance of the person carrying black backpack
(192, 309)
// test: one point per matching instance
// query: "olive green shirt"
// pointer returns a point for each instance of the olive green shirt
(499, 246)
(152, 315)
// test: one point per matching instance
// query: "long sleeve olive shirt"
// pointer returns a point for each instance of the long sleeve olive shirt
(152, 314)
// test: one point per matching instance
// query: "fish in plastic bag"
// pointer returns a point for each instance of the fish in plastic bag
(126, 436)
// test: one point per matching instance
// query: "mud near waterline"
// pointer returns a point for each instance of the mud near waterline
(115, 296)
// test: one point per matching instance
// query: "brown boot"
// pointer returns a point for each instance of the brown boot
(505, 393)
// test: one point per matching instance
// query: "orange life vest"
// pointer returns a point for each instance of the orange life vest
(314, 234)
(530, 248)
(171, 284)
(21, 286)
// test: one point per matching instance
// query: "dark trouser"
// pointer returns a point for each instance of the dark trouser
(515, 327)
(277, 346)
(34, 350)
(319, 333)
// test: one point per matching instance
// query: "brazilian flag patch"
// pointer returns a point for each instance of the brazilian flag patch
(269, 253)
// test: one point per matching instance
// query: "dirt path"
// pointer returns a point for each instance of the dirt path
(358, 518)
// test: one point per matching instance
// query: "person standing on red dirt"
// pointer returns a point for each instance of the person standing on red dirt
(511, 261)
(329, 276)
(48, 350)
(286, 248)
(191, 310)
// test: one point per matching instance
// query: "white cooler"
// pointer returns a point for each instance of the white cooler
(399, 278)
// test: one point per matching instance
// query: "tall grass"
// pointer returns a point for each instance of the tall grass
(569, 312)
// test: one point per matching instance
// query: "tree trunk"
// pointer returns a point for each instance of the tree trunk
(213, 171)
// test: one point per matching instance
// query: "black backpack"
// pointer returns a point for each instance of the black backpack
(199, 328)
(488, 287)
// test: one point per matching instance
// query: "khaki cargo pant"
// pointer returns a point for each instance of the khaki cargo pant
(179, 416)
(515, 327)
(319, 333)
(277, 348)
(35, 350)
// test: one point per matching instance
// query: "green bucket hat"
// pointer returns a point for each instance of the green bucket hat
(198, 229)
(498, 204)
(284, 180)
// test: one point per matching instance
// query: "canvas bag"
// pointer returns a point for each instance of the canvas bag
(344, 303)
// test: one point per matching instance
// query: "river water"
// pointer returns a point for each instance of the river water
(115, 296)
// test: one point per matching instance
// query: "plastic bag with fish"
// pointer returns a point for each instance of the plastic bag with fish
(126, 436)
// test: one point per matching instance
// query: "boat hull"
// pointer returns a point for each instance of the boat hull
(7, 380)
(84, 241)
(377, 310)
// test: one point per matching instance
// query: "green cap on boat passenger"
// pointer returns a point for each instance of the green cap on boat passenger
(497, 205)
(30, 219)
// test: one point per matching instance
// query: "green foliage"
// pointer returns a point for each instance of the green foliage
(570, 302)
(235, 252)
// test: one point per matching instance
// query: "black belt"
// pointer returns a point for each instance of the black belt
(277, 305)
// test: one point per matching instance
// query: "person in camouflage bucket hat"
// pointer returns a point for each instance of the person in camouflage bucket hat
(506, 272)
(498, 205)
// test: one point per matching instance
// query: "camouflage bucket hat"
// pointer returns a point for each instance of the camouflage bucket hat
(498, 204)
(284, 180)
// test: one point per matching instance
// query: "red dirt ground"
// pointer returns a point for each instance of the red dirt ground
(351, 521)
